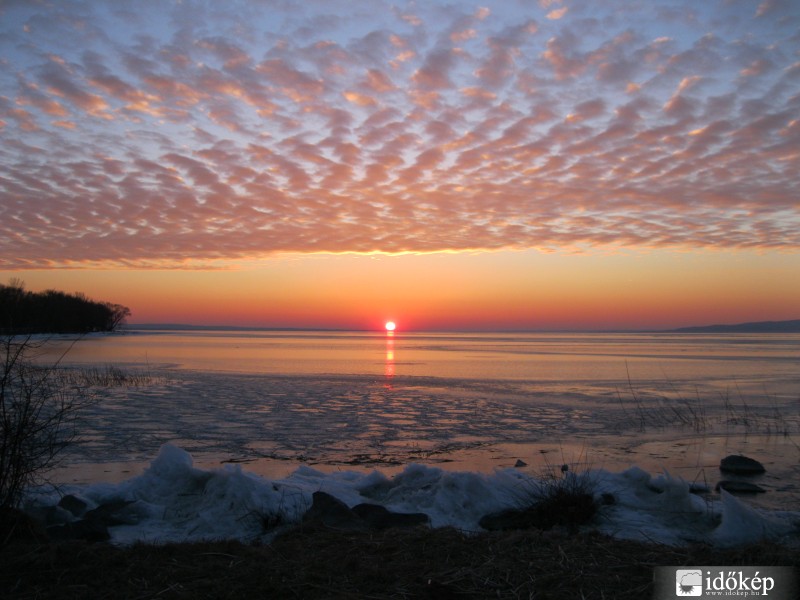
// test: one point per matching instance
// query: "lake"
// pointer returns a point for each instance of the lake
(274, 400)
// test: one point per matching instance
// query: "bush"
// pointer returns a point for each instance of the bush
(38, 412)
(556, 499)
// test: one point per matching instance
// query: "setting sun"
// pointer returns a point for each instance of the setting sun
(390, 326)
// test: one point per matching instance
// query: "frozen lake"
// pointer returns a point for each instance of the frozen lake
(224, 426)
(273, 401)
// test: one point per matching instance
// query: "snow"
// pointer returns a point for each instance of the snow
(175, 501)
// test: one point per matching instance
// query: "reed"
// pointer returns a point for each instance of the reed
(645, 411)
(106, 376)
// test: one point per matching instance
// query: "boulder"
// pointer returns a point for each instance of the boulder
(86, 530)
(511, 518)
(93, 527)
(331, 512)
(741, 465)
(740, 487)
(379, 517)
(74, 505)
(112, 513)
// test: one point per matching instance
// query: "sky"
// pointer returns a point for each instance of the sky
(515, 164)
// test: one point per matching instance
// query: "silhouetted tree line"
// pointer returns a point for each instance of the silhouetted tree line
(51, 311)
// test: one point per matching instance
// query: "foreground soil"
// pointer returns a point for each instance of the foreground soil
(322, 563)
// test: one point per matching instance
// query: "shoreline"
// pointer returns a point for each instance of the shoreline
(175, 501)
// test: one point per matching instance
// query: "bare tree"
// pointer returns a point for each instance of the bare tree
(117, 314)
(38, 418)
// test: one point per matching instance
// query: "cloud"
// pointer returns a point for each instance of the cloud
(587, 110)
(360, 99)
(60, 80)
(434, 74)
(563, 58)
(504, 51)
(192, 135)
(558, 13)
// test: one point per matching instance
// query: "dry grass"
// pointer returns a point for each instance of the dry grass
(315, 563)
(105, 376)
(671, 408)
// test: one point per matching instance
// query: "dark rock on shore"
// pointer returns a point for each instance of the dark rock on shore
(89, 531)
(741, 465)
(379, 517)
(93, 527)
(74, 505)
(331, 512)
(111, 513)
(740, 487)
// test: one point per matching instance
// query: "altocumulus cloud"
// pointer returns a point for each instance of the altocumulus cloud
(153, 133)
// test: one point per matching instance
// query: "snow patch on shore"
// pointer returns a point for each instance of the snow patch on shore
(173, 501)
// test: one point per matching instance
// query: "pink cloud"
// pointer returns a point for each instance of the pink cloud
(432, 130)
(562, 57)
(360, 99)
(30, 95)
(297, 85)
(504, 50)
(61, 80)
(557, 13)
(434, 74)
(378, 82)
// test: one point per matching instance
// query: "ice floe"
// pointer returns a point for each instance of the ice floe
(176, 501)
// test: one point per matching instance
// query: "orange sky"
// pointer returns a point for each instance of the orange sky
(504, 164)
(501, 290)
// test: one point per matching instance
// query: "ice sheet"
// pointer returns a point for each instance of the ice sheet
(175, 501)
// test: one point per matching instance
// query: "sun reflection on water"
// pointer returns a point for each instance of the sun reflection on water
(389, 367)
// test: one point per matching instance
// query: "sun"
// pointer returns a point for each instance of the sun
(390, 326)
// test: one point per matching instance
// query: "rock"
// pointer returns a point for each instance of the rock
(112, 513)
(520, 463)
(332, 512)
(93, 527)
(90, 531)
(511, 518)
(740, 487)
(73, 504)
(741, 465)
(50, 515)
(379, 517)
(698, 488)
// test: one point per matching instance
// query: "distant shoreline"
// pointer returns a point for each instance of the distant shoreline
(755, 327)
(791, 326)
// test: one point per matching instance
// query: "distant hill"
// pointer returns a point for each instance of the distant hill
(757, 327)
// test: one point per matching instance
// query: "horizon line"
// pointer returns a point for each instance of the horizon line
(793, 326)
